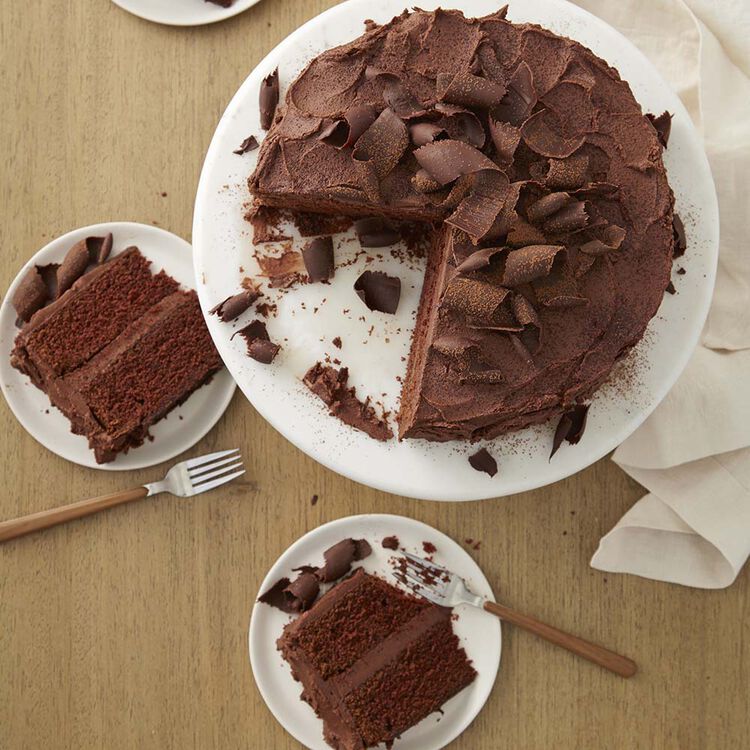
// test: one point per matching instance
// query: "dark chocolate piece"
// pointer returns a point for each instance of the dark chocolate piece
(318, 258)
(447, 160)
(680, 241)
(570, 427)
(379, 291)
(249, 144)
(390, 542)
(232, 307)
(483, 461)
(662, 125)
(268, 99)
(259, 346)
(375, 231)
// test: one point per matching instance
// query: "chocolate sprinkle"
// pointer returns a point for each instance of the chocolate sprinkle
(269, 99)
(318, 258)
(232, 307)
(249, 144)
(570, 427)
(483, 461)
(375, 231)
(379, 291)
(447, 160)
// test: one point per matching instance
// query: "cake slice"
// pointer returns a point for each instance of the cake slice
(374, 661)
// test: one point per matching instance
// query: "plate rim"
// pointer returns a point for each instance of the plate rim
(222, 403)
(440, 536)
(614, 437)
(221, 14)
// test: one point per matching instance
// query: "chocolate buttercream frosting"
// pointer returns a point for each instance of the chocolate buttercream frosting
(553, 215)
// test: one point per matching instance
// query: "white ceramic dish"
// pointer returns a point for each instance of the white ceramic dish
(478, 632)
(182, 427)
(183, 12)
(418, 468)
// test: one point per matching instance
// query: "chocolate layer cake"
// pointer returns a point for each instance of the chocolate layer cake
(117, 351)
(374, 661)
(553, 216)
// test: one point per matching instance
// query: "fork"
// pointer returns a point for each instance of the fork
(184, 479)
(447, 589)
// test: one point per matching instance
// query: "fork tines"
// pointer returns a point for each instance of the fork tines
(420, 574)
(214, 469)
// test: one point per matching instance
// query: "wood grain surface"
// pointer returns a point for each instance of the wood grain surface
(129, 629)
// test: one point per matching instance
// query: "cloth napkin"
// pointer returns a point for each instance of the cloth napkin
(693, 452)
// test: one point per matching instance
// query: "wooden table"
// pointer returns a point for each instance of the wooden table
(129, 629)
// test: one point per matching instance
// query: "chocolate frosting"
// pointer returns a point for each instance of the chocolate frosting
(565, 159)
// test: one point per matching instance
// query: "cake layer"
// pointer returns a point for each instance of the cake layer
(151, 367)
(374, 661)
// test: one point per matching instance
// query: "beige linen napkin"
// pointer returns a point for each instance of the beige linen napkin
(692, 453)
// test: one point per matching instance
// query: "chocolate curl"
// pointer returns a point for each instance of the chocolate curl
(31, 294)
(249, 144)
(448, 160)
(483, 461)
(259, 346)
(268, 99)
(339, 558)
(477, 212)
(232, 307)
(474, 298)
(559, 213)
(383, 143)
(545, 140)
(520, 99)
(570, 427)
(678, 233)
(567, 173)
(379, 291)
(459, 190)
(479, 259)
(424, 183)
(318, 258)
(528, 319)
(506, 138)
(424, 132)
(485, 62)
(375, 231)
(395, 94)
(462, 124)
(529, 263)
(662, 125)
(346, 132)
(613, 237)
(73, 266)
(469, 90)
(302, 592)
(454, 345)
(99, 248)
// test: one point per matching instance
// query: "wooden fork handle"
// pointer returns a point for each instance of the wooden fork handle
(46, 518)
(620, 665)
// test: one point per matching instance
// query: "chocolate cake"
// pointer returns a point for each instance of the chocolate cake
(117, 351)
(544, 181)
(374, 661)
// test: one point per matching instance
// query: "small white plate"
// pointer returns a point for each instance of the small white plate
(478, 631)
(183, 12)
(181, 428)
(376, 359)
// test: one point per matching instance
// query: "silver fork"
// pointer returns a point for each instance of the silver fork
(443, 587)
(184, 479)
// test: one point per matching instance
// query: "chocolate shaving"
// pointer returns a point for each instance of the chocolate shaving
(379, 291)
(395, 94)
(339, 558)
(477, 212)
(521, 233)
(570, 427)
(284, 270)
(276, 596)
(249, 144)
(447, 160)
(567, 173)
(680, 241)
(73, 266)
(478, 259)
(462, 125)
(424, 132)
(346, 132)
(469, 90)
(529, 263)
(268, 99)
(330, 385)
(613, 237)
(31, 294)
(545, 140)
(424, 183)
(375, 231)
(662, 125)
(232, 307)
(506, 138)
(318, 258)
(259, 346)
(383, 144)
(474, 298)
(558, 290)
(483, 461)
(520, 99)
(558, 213)
(453, 345)
(531, 333)
(99, 248)
(302, 592)
(48, 273)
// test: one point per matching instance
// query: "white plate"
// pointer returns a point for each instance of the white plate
(478, 631)
(182, 427)
(183, 12)
(418, 468)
